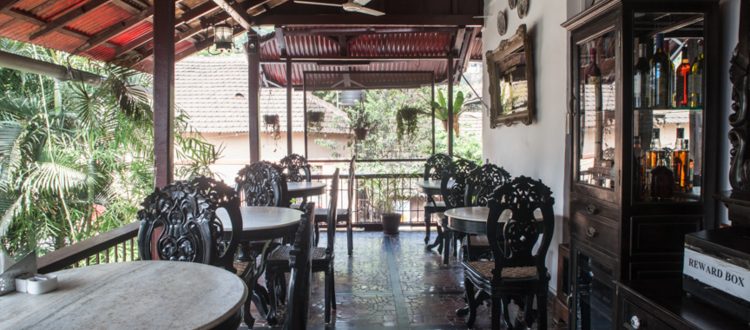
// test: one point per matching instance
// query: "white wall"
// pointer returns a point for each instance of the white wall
(537, 150)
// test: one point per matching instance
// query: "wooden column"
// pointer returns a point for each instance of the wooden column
(450, 104)
(252, 49)
(164, 12)
(289, 106)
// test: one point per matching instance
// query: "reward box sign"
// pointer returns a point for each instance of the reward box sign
(717, 273)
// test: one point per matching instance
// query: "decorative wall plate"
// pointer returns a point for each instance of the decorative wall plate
(502, 22)
(512, 4)
(523, 8)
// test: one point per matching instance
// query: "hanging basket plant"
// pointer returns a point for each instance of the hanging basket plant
(272, 125)
(407, 119)
(361, 133)
(359, 121)
(316, 116)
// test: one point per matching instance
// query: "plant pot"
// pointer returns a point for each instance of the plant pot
(316, 116)
(391, 221)
(271, 120)
(360, 133)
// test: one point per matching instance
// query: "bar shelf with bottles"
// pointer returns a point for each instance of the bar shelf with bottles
(668, 94)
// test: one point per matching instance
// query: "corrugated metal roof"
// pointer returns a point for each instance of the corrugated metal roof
(347, 42)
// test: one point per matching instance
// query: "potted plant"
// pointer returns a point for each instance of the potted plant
(385, 194)
(271, 120)
(359, 121)
(407, 119)
(441, 109)
(272, 125)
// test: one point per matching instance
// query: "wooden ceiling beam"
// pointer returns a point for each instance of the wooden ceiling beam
(367, 31)
(133, 10)
(23, 16)
(193, 14)
(68, 17)
(5, 4)
(463, 55)
(356, 19)
(237, 13)
(115, 30)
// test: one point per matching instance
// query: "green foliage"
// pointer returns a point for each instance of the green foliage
(407, 120)
(75, 159)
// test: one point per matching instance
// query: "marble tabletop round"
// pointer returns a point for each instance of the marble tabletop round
(130, 295)
(469, 220)
(305, 189)
(263, 222)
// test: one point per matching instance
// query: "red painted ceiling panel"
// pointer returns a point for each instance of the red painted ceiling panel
(134, 33)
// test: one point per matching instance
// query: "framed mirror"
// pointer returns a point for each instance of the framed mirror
(511, 71)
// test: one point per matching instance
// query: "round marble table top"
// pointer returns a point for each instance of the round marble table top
(256, 218)
(471, 213)
(263, 222)
(305, 189)
(130, 295)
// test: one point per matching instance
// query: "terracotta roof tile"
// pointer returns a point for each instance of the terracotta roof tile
(206, 89)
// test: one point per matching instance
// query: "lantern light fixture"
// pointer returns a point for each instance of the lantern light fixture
(223, 38)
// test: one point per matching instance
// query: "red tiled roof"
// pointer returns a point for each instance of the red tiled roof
(205, 89)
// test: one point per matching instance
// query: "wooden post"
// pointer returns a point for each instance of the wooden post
(252, 49)
(450, 104)
(164, 12)
(289, 105)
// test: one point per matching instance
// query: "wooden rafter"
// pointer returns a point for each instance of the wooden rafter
(237, 13)
(68, 17)
(193, 14)
(133, 10)
(463, 54)
(115, 30)
(5, 4)
(352, 19)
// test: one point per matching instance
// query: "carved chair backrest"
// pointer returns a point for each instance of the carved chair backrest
(435, 166)
(300, 278)
(482, 182)
(262, 184)
(181, 222)
(453, 183)
(520, 215)
(296, 168)
(332, 212)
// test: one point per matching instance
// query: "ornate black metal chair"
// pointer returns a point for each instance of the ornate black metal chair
(299, 263)
(433, 170)
(480, 185)
(345, 216)
(180, 222)
(453, 190)
(322, 258)
(519, 227)
(296, 168)
(262, 184)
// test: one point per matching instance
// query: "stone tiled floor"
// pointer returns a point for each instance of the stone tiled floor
(392, 282)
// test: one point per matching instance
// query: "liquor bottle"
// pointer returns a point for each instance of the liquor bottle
(696, 79)
(691, 174)
(640, 168)
(660, 76)
(680, 161)
(641, 79)
(653, 154)
(682, 78)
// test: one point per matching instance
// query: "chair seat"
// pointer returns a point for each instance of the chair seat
(279, 257)
(479, 241)
(439, 205)
(485, 268)
(321, 214)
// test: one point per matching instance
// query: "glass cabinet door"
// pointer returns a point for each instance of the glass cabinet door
(594, 294)
(597, 102)
(667, 101)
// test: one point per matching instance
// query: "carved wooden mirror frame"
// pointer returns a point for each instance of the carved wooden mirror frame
(501, 60)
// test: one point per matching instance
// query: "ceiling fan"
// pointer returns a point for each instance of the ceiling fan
(354, 6)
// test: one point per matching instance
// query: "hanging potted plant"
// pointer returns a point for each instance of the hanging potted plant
(407, 119)
(441, 109)
(359, 122)
(316, 117)
(271, 120)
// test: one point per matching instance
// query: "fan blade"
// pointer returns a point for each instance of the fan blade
(352, 7)
(362, 2)
(318, 3)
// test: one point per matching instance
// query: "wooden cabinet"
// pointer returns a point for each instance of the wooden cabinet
(643, 123)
